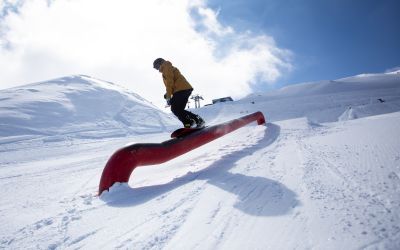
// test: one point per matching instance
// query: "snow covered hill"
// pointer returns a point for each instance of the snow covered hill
(324, 173)
(78, 106)
(324, 101)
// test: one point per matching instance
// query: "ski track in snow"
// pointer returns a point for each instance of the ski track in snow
(318, 176)
(247, 182)
(341, 186)
(318, 191)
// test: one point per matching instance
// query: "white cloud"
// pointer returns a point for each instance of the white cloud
(118, 41)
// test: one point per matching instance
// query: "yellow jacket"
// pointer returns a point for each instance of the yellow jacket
(173, 79)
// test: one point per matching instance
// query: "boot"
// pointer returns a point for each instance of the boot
(190, 124)
(200, 122)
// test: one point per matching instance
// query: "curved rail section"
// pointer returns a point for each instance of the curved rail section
(121, 164)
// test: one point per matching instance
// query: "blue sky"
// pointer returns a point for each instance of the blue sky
(329, 39)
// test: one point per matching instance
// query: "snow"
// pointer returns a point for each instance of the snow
(79, 106)
(322, 174)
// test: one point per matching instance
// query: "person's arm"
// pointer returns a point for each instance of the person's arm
(168, 77)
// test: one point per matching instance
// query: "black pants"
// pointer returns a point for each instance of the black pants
(178, 104)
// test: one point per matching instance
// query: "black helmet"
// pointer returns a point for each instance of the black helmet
(157, 63)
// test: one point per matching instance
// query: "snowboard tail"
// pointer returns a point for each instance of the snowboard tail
(182, 132)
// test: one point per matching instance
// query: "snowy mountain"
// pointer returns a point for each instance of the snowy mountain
(324, 173)
(324, 101)
(78, 106)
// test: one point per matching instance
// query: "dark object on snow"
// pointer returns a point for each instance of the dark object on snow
(381, 100)
(223, 99)
(184, 131)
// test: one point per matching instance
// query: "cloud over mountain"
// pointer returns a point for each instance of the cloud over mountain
(119, 40)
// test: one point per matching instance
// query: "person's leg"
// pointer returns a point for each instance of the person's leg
(178, 104)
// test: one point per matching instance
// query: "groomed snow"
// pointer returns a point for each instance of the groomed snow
(322, 174)
(78, 106)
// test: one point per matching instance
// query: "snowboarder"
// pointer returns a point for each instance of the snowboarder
(178, 92)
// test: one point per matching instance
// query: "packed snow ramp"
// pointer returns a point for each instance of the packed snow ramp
(121, 164)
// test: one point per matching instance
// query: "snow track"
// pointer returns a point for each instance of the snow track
(261, 187)
(299, 182)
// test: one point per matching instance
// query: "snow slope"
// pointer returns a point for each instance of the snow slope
(316, 176)
(78, 106)
(324, 101)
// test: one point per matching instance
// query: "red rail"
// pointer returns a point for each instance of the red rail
(121, 164)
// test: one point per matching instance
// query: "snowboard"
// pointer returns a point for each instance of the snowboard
(182, 132)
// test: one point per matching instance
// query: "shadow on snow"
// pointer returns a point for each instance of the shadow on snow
(257, 196)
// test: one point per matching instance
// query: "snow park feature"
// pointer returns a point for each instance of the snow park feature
(318, 175)
(121, 164)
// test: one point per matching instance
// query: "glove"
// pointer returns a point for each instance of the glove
(168, 101)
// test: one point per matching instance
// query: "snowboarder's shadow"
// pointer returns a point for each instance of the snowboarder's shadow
(258, 196)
